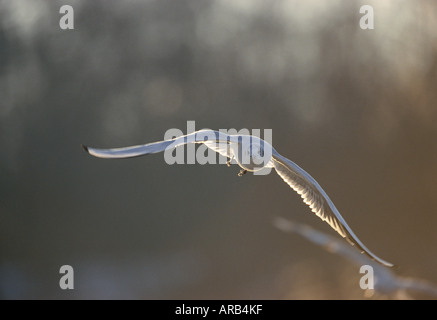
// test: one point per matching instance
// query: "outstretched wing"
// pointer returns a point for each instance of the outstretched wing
(222, 148)
(209, 137)
(315, 197)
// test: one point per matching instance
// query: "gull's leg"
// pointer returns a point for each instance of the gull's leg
(228, 163)
(242, 173)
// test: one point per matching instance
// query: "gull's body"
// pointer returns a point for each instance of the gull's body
(253, 154)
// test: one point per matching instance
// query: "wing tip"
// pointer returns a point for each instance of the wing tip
(379, 260)
(390, 265)
(84, 147)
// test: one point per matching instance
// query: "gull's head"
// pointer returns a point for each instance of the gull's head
(253, 153)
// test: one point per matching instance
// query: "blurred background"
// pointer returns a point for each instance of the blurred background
(355, 108)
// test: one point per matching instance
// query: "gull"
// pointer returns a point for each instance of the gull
(253, 154)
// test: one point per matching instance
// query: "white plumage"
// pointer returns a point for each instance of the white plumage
(236, 147)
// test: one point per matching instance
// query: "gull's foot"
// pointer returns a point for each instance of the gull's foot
(242, 173)
(228, 163)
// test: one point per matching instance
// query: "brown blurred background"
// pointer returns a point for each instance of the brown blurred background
(355, 108)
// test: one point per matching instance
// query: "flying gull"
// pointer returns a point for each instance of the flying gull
(253, 154)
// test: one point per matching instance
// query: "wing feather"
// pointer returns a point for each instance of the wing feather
(202, 136)
(316, 198)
